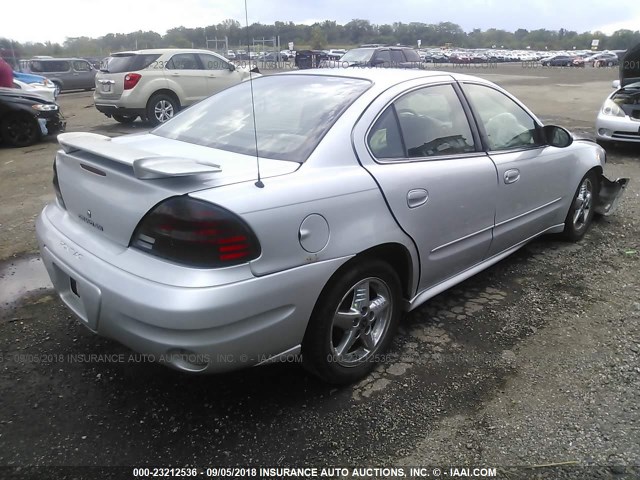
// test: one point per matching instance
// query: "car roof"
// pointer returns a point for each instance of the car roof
(164, 50)
(384, 77)
(390, 47)
(55, 59)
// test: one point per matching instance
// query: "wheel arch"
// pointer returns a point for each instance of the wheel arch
(165, 91)
(395, 254)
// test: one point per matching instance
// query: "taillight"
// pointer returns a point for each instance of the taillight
(195, 233)
(56, 186)
(131, 80)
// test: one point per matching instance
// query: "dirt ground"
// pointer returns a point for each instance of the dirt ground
(533, 362)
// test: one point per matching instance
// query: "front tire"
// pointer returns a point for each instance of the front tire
(353, 322)
(161, 108)
(19, 130)
(582, 210)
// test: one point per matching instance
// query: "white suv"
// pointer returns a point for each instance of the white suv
(155, 84)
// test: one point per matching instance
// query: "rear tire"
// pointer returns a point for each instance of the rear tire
(125, 118)
(582, 210)
(161, 107)
(353, 322)
(19, 130)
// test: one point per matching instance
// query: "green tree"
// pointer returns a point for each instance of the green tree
(318, 38)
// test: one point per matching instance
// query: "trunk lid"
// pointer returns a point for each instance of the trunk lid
(108, 185)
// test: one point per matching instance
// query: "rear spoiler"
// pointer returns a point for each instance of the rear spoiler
(146, 165)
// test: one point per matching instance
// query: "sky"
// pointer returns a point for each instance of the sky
(74, 18)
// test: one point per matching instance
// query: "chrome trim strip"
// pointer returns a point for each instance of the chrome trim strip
(286, 356)
(530, 211)
(461, 239)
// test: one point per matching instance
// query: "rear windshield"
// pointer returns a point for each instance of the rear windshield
(412, 55)
(127, 62)
(292, 114)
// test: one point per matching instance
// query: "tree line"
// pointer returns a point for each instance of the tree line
(323, 35)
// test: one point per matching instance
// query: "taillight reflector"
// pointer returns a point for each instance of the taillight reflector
(195, 233)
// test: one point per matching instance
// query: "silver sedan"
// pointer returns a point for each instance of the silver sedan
(304, 213)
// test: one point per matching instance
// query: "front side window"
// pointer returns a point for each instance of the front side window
(506, 124)
(397, 57)
(79, 66)
(211, 62)
(292, 115)
(383, 58)
(183, 61)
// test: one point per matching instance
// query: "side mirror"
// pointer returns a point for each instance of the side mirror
(377, 61)
(232, 67)
(615, 84)
(557, 136)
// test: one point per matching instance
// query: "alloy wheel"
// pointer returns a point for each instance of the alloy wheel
(361, 321)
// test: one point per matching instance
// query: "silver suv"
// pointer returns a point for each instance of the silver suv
(155, 84)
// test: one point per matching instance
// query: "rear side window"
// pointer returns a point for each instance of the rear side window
(48, 66)
(384, 138)
(183, 61)
(432, 123)
(128, 62)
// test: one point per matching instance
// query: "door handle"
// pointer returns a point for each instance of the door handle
(417, 197)
(511, 176)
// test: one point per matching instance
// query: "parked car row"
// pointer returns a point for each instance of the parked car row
(597, 60)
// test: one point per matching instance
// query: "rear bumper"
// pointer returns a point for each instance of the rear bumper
(221, 328)
(111, 110)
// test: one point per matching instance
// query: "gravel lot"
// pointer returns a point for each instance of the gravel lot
(533, 362)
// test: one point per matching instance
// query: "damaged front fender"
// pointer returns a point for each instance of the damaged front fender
(610, 194)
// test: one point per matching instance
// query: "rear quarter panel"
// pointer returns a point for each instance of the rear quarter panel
(152, 81)
(330, 183)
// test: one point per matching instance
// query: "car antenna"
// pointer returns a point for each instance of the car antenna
(259, 183)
